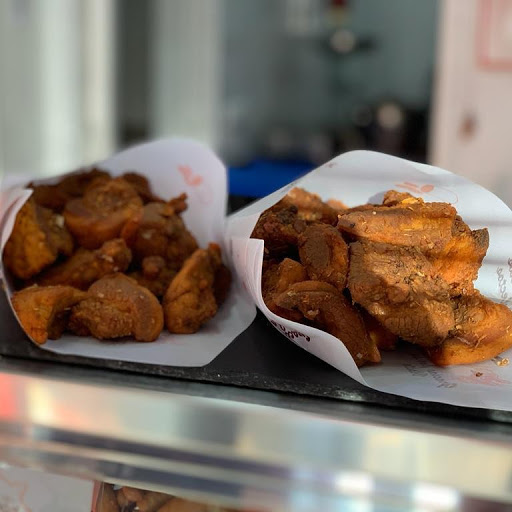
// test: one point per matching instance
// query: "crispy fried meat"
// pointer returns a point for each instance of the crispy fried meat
(102, 212)
(397, 285)
(117, 306)
(324, 254)
(189, 302)
(483, 330)
(159, 230)
(86, 266)
(325, 307)
(43, 311)
(56, 196)
(142, 187)
(154, 275)
(427, 226)
(461, 258)
(279, 226)
(276, 279)
(310, 207)
(37, 239)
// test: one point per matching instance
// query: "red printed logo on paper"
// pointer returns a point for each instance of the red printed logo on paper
(191, 179)
(201, 189)
(289, 333)
(434, 193)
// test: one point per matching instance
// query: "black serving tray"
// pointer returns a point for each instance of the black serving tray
(259, 358)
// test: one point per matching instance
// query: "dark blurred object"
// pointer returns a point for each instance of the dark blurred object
(389, 127)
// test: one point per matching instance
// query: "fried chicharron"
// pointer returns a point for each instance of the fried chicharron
(106, 257)
(380, 275)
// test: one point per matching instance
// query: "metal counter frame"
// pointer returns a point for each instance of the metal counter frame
(237, 445)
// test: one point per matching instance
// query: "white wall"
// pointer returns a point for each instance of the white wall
(471, 132)
(56, 83)
(186, 69)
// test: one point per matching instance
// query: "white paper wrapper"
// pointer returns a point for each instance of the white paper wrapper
(359, 177)
(172, 167)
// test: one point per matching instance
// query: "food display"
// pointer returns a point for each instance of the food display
(103, 256)
(378, 276)
(127, 499)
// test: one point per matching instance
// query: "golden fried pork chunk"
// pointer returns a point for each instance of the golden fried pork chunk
(182, 505)
(398, 286)
(427, 226)
(337, 205)
(190, 301)
(56, 196)
(117, 306)
(142, 187)
(159, 230)
(382, 337)
(37, 239)
(325, 307)
(154, 274)
(393, 197)
(130, 498)
(221, 281)
(279, 226)
(460, 259)
(102, 212)
(86, 266)
(483, 330)
(43, 311)
(324, 254)
(107, 499)
(310, 207)
(276, 279)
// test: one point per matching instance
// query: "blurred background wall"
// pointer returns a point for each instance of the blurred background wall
(270, 84)
(58, 83)
(471, 132)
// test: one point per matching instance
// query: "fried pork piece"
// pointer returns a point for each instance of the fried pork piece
(141, 185)
(107, 501)
(279, 226)
(328, 309)
(117, 306)
(483, 330)
(85, 266)
(181, 505)
(222, 278)
(398, 286)
(337, 205)
(460, 259)
(324, 254)
(43, 311)
(189, 302)
(310, 207)
(382, 337)
(393, 197)
(142, 501)
(276, 279)
(37, 238)
(427, 226)
(56, 196)
(159, 230)
(102, 212)
(179, 203)
(154, 275)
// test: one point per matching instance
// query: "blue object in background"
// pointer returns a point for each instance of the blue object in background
(262, 177)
